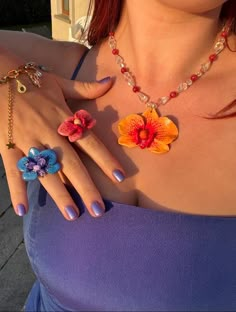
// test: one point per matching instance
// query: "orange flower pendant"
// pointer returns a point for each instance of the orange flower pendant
(147, 130)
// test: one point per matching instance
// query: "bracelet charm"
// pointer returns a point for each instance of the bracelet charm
(33, 72)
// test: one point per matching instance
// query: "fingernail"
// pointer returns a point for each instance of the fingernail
(119, 176)
(71, 213)
(104, 80)
(20, 209)
(97, 209)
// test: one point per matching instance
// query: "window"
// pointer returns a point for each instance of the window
(65, 7)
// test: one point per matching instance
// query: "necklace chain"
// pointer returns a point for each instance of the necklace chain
(183, 86)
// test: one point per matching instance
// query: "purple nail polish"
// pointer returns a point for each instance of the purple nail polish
(119, 176)
(97, 209)
(104, 80)
(71, 213)
(20, 209)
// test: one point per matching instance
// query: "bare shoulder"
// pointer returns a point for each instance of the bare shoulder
(59, 55)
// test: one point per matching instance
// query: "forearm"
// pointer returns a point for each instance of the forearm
(32, 47)
(21, 43)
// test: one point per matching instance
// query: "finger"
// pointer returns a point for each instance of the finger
(57, 190)
(84, 90)
(16, 184)
(77, 174)
(92, 146)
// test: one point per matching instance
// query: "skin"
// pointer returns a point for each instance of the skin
(37, 127)
(177, 181)
(180, 180)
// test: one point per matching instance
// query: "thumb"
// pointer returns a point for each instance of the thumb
(84, 90)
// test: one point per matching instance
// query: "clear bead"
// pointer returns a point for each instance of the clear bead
(205, 67)
(219, 46)
(143, 97)
(120, 61)
(199, 74)
(222, 39)
(189, 82)
(152, 105)
(182, 87)
(112, 43)
(163, 100)
(130, 79)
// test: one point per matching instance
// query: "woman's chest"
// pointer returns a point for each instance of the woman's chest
(196, 176)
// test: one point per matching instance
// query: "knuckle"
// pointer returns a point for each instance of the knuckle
(13, 174)
(89, 88)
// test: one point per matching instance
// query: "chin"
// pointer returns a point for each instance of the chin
(193, 6)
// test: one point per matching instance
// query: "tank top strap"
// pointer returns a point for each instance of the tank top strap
(80, 63)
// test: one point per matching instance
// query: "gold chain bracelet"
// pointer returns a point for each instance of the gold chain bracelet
(32, 71)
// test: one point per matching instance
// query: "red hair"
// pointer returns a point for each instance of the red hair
(106, 16)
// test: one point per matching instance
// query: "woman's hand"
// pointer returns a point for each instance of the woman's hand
(36, 117)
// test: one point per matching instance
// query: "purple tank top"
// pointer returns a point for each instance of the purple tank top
(131, 259)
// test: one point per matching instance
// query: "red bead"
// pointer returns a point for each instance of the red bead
(224, 34)
(111, 33)
(173, 94)
(115, 51)
(194, 77)
(136, 89)
(123, 70)
(212, 57)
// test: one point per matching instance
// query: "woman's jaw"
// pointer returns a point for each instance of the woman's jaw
(153, 34)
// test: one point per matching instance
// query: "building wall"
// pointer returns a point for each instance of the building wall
(66, 27)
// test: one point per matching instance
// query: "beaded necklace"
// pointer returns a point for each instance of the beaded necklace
(149, 130)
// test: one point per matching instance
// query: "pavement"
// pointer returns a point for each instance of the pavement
(16, 276)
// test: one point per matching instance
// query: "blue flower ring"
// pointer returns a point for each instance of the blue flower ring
(38, 164)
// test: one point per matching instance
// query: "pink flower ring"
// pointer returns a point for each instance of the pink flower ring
(74, 127)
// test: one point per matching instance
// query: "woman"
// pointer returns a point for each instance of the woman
(167, 239)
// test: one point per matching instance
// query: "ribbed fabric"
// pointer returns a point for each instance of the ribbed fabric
(131, 259)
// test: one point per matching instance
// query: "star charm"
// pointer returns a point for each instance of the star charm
(10, 145)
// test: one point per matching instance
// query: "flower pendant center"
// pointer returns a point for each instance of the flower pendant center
(143, 134)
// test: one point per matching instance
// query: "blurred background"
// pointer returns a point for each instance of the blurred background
(24, 14)
(56, 19)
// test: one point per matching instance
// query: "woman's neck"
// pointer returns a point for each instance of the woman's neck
(158, 40)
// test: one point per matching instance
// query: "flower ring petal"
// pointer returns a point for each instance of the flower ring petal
(54, 168)
(86, 119)
(67, 128)
(83, 114)
(50, 156)
(76, 136)
(91, 124)
(29, 176)
(33, 152)
(21, 164)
